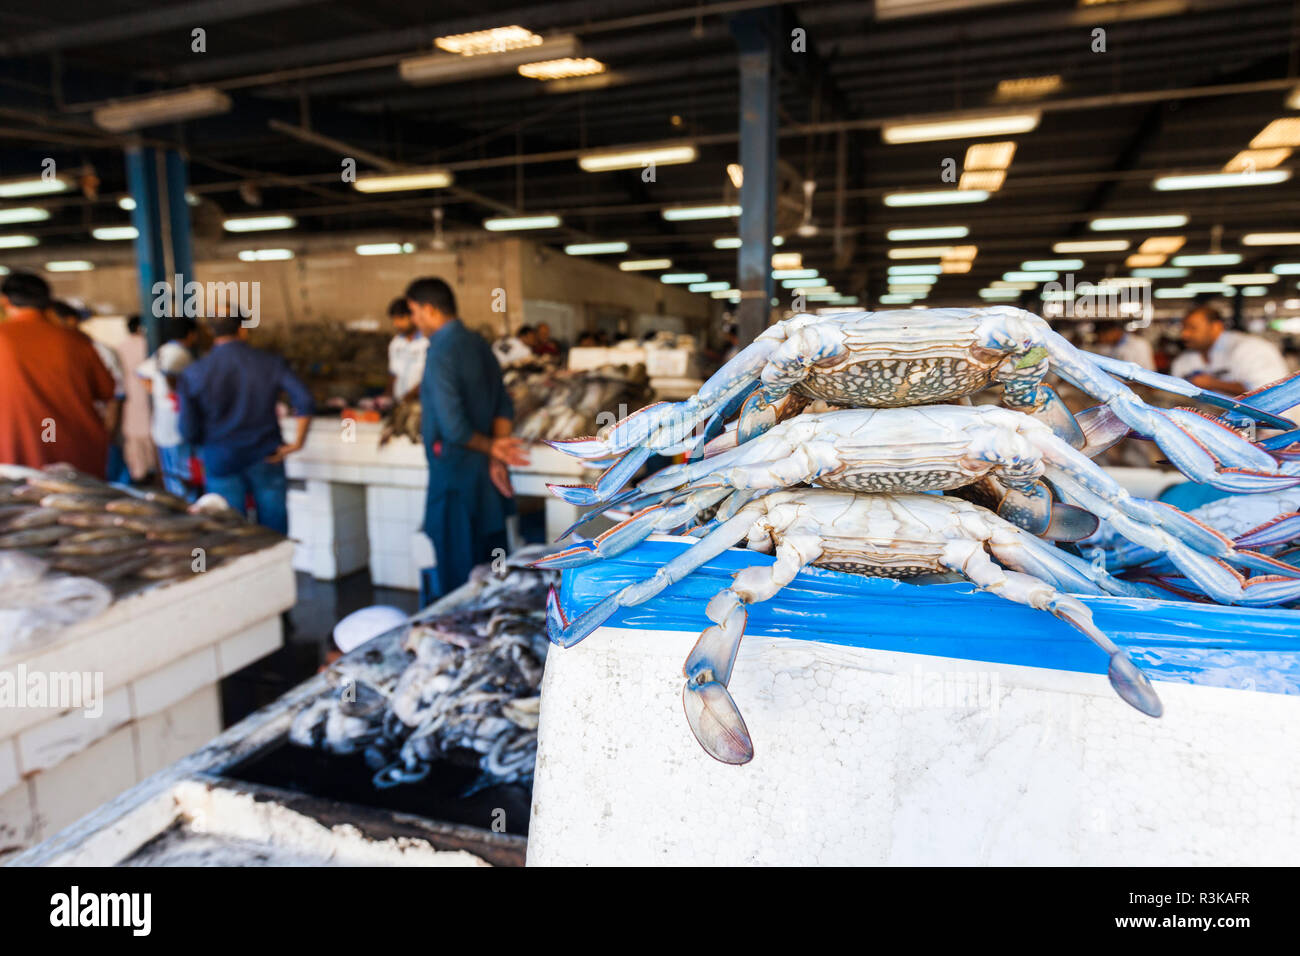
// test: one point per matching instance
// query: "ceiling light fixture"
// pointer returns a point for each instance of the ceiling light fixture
(1092, 245)
(514, 223)
(929, 232)
(1115, 223)
(162, 108)
(400, 182)
(608, 159)
(18, 214)
(561, 69)
(960, 127)
(685, 213)
(259, 223)
(945, 197)
(644, 265)
(595, 248)
(1258, 177)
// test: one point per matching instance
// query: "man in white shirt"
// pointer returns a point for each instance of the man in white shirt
(1225, 360)
(406, 352)
(1115, 341)
(160, 372)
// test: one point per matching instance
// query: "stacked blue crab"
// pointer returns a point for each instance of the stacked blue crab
(848, 443)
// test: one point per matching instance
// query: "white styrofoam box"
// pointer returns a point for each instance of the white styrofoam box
(181, 729)
(162, 688)
(323, 565)
(857, 762)
(672, 363)
(588, 357)
(302, 559)
(240, 650)
(422, 555)
(85, 780)
(17, 819)
(50, 743)
(144, 632)
(9, 774)
(675, 389)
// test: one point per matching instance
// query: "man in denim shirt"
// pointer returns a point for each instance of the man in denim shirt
(465, 423)
(227, 409)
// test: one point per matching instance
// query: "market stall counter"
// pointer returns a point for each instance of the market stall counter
(363, 504)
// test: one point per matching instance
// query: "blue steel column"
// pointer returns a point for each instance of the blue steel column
(755, 34)
(162, 221)
(150, 266)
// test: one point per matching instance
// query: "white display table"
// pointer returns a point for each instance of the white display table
(158, 656)
(363, 504)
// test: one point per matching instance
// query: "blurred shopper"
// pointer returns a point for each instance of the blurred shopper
(542, 344)
(1116, 341)
(137, 441)
(406, 352)
(71, 317)
(1225, 360)
(465, 425)
(227, 409)
(50, 380)
(517, 349)
(161, 370)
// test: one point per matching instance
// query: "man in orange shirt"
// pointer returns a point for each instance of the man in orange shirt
(50, 379)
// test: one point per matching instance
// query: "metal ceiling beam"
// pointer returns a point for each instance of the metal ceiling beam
(127, 26)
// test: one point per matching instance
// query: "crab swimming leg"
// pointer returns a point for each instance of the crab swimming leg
(1201, 448)
(969, 558)
(567, 633)
(710, 709)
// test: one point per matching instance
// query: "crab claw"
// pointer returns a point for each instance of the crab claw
(715, 721)
(607, 485)
(1132, 685)
(1280, 530)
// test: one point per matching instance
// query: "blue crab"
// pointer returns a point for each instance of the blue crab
(880, 535)
(919, 357)
(941, 448)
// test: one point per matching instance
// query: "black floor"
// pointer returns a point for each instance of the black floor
(309, 627)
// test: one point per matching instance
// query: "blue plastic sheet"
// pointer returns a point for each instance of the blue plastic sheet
(1243, 648)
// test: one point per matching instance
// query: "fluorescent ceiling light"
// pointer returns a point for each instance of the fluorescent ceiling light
(1165, 245)
(17, 242)
(69, 265)
(1058, 295)
(960, 127)
(921, 279)
(1271, 239)
(1162, 272)
(1112, 223)
(787, 260)
(595, 248)
(963, 253)
(1287, 268)
(736, 173)
(982, 180)
(896, 299)
(1027, 87)
(1037, 276)
(384, 248)
(399, 182)
(727, 242)
(1123, 282)
(955, 266)
(945, 197)
(927, 270)
(1249, 278)
(603, 160)
(1259, 177)
(794, 273)
(803, 283)
(931, 232)
(910, 289)
(259, 223)
(1178, 292)
(512, 223)
(1255, 290)
(15, 188)
(682, 213)
(1064, 265)
(494, 40)
(126, 203)
(1144, 259)
(1279, 134)
(920, 252)
(264, 255)
(1212, 259)
(453, 67)
(1207, 286)
(562, 69)
(1002, 294)
(683, 278)
(644, 265)
(163, 108)
(1019, 286)
(709, 287)
(989, 155)
(724, 293)
(1092, 245)
(23, 214)
(1252, 159)
(110, 233)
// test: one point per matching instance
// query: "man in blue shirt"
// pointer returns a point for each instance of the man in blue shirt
(466, 418)
(227, 409)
